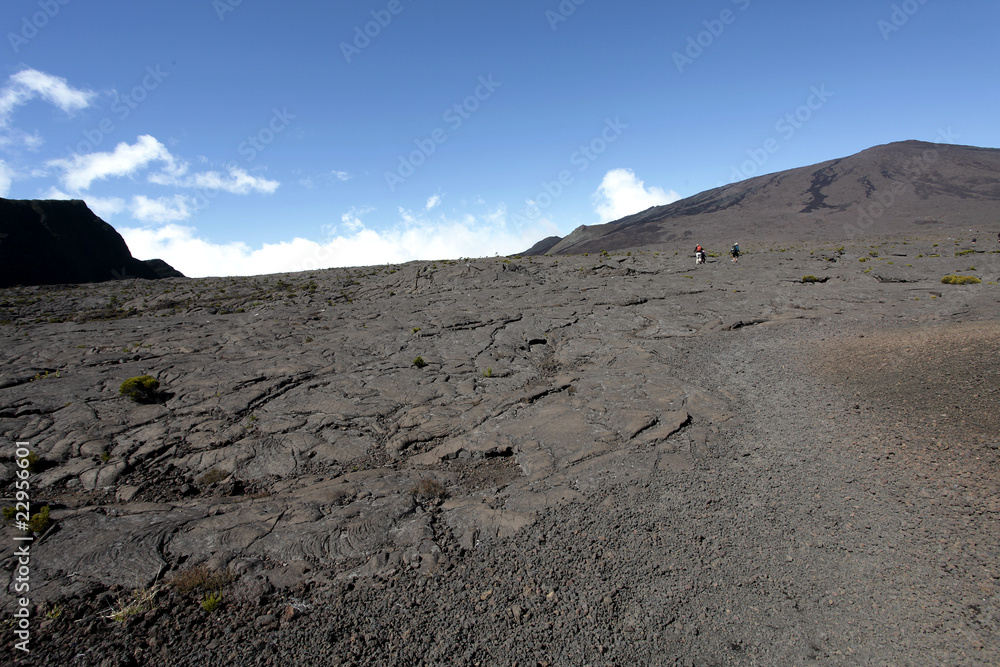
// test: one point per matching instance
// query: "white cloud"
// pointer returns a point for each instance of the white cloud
(104, 207)
(433, 201)
(352, 219)
(82, 170)
(237, 181)
(163, 209)
(621, 193)
(30, 83)
(6, 178)
(342, 175)
(413, 238)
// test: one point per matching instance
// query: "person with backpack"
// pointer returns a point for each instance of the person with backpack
(699, 255)
(735, 251)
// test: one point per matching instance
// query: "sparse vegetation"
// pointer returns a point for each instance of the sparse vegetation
(199, 577)
(40, 522)
(211, 601)
(428, 489)
(139, 602)
(31, 462)
(212, 476)
(811, 279)
(488, 373)
(140, 389)
(419, 362)
(961, 280)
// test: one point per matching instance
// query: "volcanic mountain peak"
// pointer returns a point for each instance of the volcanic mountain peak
(886, 189)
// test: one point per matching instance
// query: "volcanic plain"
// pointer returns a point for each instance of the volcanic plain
(599, 459)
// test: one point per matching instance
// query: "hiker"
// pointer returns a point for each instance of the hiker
(735, 251)
(699, 255)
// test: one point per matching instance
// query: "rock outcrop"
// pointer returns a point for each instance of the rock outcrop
(53, 242)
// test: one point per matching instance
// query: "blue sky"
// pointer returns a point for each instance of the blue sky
(238, 137)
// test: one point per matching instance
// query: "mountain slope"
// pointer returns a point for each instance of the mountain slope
(895, 188)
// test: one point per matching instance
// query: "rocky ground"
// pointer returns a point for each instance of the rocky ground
(604, 459)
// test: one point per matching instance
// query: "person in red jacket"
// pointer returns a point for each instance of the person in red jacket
(699, 255)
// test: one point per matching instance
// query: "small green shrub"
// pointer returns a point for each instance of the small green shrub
(960, 253)
(211, 601)
(40, 522)
(419, 362)
(488, 373)
(141, 389)
(30, 462)
(961, 280)
(810, 279)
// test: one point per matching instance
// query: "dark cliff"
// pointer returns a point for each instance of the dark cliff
(49, 242)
